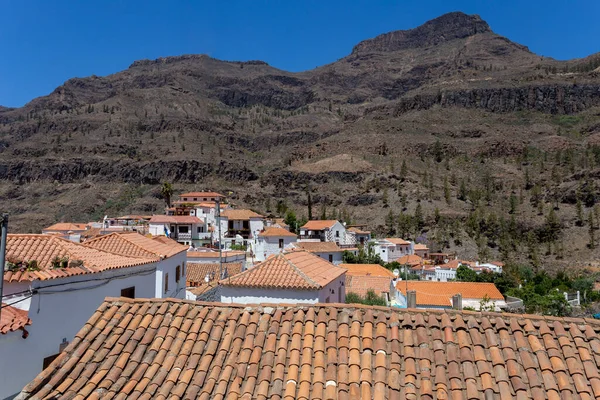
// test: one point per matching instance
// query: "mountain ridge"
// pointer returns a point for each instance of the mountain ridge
(451, 99)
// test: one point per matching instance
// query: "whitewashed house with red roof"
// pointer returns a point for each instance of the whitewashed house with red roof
(185, 229)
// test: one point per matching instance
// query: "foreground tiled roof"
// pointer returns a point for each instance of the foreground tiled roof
(319, 225)
(319, 247)
(13, 319)
(240, 214)
(361, 284)
(367, 270)
(45, 248)
(134, 245)
(196, 272)
(177, 349)
(440, 293)
(175, 219)
(66, 226)
(275, 231)
(293, 270)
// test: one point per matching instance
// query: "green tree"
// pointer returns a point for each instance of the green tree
(291, 221)
(465, 274)
(419, 220)
(403, 171)
(512, 204)
(309, 202)
(324, 212)
(166, 192)
(579, 213)
(462, 191)
(592, 229)
(385, 198)
(447, 191)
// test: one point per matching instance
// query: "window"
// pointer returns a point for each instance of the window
(331, 258)
(200, 229)
(128, 292)
(195, 199)
(183, 269)
(281, 243)
(327, 299)
(205, 199)
(177, 274)
(184, 229)
(48, 360)
(166, 283)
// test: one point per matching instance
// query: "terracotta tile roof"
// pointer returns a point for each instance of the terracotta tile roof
(213, 254)
(178, 349)
(419, 246)
(175, 219)
(411, 259)
(201, 194)
(196, 272)
(66, 226)
(454, 264)
(276, 232)
(319, 225)
(134, 245)
(45, 248)
(367, 270)
(319, 247)
(440, 293)
(361, 284)
(13, 319)
(359, 231)
(239, 215)
(398, 241)
(166, 240)
(293, 270)
(203, 288)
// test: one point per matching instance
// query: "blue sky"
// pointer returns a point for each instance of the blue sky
(43, 43)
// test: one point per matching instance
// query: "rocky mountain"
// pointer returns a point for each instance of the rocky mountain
(477, 120)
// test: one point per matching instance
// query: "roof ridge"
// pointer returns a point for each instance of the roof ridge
(123, 235)
(300, 272)
(259, 306)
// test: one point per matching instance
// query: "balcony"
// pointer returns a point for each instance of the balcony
(183, 236)
(313, 236)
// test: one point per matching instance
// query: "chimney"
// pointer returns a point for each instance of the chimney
(457, 302)
(411, 299)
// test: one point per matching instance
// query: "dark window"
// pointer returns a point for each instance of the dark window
(128, 292)
(200, 229)
(337, 233)
(177, 273)
(327, 299)
(166, 283)
(48, 360)
(205, 199)
(183, 229)
(281, 243)
(195, 198)
(246, 224)
(331, 258)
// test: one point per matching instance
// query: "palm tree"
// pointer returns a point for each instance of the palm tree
(166, 191)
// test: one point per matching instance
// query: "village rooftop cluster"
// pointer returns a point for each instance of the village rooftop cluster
(175, 304)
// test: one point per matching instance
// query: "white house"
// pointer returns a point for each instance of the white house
(326, 250)
(361, 235)
(244, 223)
(211, 256)
(326, 231)
(57, 284)
(272, 240)
(391, 249)
(185, 229)
(172, 258)
(290, 278)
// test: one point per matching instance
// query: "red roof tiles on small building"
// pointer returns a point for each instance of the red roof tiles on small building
(135, 245)
(175, 219)
(45, 249)
(240, 215)
(361, 284)
(439, 293)
(319, 247)
(275, 231)
(12, 319)
(319, 225)
(178, 349)
(293, 270)
(196, 272)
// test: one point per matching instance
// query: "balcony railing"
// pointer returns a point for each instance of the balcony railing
(183, 236)
(312, 237)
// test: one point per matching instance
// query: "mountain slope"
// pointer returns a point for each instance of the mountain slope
(459, 104)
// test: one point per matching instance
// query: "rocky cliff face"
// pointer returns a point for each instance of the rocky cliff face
(455, 25)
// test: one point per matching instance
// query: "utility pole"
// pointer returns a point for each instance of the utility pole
(4, 223)
(220, 244)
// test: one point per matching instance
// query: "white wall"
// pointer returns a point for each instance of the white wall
(339, 289)
(168, 266)
(55, 316)
(257, 225)
(443, 275)
(336, 257)
(265, 247)
(257, 296)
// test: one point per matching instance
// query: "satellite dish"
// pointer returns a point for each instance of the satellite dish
(396, 272)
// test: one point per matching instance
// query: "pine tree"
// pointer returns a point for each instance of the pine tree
(447, 190)
(512, 204)
(385, 198)
(462, 191)
(592, 230)
(403, 171)
(418, 218)
(579, 213)
(309, 202)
